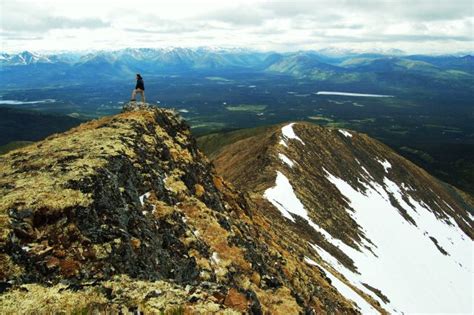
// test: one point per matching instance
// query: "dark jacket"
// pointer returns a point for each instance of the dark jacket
(140, 85)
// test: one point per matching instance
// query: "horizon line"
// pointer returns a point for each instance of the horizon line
(343, 51)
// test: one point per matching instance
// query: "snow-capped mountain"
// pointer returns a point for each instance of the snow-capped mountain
(340, 52)
(26, 69)
(156, 56)
(380, 227)
(23, 58)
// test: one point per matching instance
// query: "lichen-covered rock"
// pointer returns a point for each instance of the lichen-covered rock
(117, 295)
(136, 106)
(124, 213)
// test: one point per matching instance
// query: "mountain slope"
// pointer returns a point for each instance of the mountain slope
(27, 125)
(125, 214)
(392, 230)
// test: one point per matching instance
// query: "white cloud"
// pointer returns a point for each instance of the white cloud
(415, 26)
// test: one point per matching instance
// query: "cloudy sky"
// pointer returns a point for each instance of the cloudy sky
(416, 26)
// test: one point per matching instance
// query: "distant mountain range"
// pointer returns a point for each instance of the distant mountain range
(199, 56)
(338, 65)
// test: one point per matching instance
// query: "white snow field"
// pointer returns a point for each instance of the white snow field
(408, 268)
(386, 164)
(288, 133)
(345, 133)
(403, 262)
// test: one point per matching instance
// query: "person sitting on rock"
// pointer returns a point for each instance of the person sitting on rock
(139, 88)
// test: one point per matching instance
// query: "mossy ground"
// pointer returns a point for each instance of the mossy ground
(118, 295)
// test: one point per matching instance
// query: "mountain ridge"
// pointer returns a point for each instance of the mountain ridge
(361, 197)
(124, 213)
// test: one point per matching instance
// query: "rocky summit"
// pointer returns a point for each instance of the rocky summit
(125, 214)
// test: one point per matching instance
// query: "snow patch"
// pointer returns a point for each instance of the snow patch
(447, 204)
(386, 164)
(286, 160)
(393, 189)
(345, 133)
(284, 199)
(470, 216)
(215, 258)
(288, 133)
(282, 142)
(144, 197)
(366, 172)
(309, 261)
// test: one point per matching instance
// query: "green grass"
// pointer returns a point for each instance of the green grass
(246, 108)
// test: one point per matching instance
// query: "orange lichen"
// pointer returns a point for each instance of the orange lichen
(236, 300)
(135, 242)
(199, 190)
(69, 267)
(218, 182)
(279, 301)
